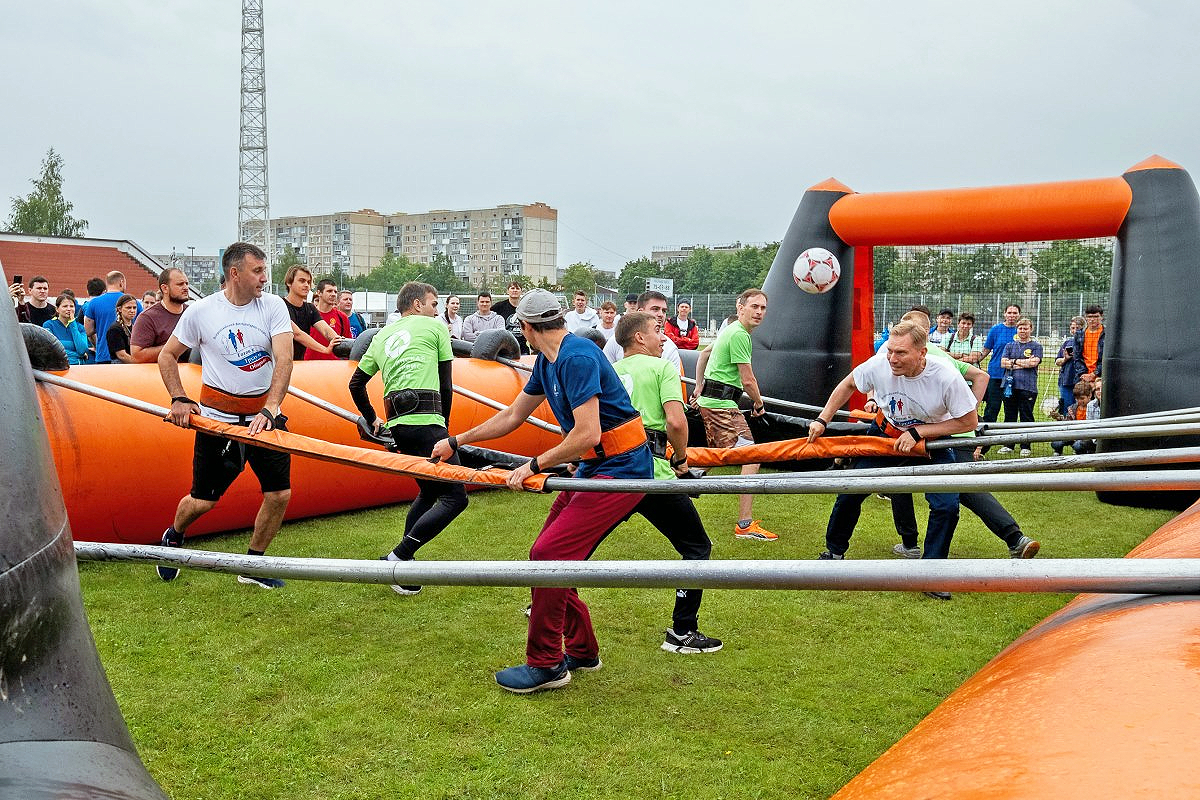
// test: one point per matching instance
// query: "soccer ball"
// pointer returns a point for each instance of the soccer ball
(816, 270)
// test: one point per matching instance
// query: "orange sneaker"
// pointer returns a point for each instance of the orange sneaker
(754, 531)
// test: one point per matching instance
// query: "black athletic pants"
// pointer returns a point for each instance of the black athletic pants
(675, 516)
(437, 503)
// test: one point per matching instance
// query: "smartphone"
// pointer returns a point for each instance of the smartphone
(18, 278)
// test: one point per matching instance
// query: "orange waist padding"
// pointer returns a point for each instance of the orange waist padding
(798, 450)
(378, 460)
(241, 404)
(629, 435)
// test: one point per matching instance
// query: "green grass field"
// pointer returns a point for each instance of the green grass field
(324, 690)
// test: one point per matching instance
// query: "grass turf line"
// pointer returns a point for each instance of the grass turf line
(327, 690)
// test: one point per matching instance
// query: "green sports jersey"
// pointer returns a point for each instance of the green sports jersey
(651, 382)
(731, 348)
(408, 351)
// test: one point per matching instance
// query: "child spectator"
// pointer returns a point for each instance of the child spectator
(1080, 409)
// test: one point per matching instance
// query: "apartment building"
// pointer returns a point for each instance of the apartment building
(481, 244)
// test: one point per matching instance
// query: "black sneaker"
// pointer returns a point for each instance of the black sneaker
(828, 556)
(262, 583)
(938, 595)
(690, 643)
(583, 664)
(170, 538)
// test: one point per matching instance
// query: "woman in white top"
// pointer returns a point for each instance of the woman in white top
(452, 318)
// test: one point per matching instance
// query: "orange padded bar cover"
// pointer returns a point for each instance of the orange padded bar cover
(798, 450)
(378, 460)
(1031, 212)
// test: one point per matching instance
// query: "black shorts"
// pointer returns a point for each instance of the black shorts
(216, 463)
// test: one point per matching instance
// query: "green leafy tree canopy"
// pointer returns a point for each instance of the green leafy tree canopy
(579, 277)
(44, 211)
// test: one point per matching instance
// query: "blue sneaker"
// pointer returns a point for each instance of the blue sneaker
(525, 679)
(575, 664)
(170, 538)
(262, 583)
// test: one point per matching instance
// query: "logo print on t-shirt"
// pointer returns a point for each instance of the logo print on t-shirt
(247, 358)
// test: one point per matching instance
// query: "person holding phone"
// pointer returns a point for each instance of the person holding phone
(1065, 361)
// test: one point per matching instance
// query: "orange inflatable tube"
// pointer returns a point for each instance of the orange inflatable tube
(1099, 700)
(1042, 211)
(122, 471)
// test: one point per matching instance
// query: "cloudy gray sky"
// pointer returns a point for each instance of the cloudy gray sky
(643, 123)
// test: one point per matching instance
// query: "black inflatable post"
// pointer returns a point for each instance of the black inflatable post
(802, 348)
(1151, 362)
(61, 732)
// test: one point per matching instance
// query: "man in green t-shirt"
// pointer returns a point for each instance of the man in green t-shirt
(655, 391)
(415, 357)
(723, 372)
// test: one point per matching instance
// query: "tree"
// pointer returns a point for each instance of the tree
(45, 212)
(439, 272)
(289, 259)
(579, 277)
(393, 272)
(1074, 267)
(634, 274)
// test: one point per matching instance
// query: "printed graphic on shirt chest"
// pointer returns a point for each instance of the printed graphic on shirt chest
(245, 346)
(903, 410)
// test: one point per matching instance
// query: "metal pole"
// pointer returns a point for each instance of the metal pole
(1096, 575)
(1124, 432)
(783, 403)
(1131, 458)
(848, 483)
(103, 394)
(1176, 415)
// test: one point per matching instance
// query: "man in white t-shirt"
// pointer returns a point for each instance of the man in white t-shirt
(653, 303)
(919, 399)
(245, 341)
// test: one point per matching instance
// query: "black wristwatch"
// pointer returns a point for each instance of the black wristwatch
(183, 399)
(533, 466)
(915, 435)
(680, 462)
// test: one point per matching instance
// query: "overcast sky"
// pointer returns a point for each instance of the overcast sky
(643, 123)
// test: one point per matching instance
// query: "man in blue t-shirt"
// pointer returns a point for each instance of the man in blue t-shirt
(604, 432)
(101, 313)
(997, 338)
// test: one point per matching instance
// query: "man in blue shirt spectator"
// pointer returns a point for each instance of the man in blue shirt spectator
(997, 338)
(101, 313)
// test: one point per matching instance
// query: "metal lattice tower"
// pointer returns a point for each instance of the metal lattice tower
(253, 208)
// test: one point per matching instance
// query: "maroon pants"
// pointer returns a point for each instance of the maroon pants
(577, 523)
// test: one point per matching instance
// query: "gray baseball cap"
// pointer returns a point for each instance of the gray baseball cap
(538, 305)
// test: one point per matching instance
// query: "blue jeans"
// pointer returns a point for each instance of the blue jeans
(943, 508)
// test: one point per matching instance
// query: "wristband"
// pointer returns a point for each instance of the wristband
(760, 406)
(183, 399)
(453, 441)
(680, 462)
(824, 424)
(533, 466)
(915, 435)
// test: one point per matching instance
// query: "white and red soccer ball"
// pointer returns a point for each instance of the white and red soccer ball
(816, 270)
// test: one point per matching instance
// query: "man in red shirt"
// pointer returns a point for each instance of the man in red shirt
(325, 298)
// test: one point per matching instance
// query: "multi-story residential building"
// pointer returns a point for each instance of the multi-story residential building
(350, 240)
(482, 245)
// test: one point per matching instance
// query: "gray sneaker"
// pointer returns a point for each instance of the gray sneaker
(1024, 548)
(906, 552)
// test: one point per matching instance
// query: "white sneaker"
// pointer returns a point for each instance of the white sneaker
(1004, 450)
(906, 552)
(1026, 452)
